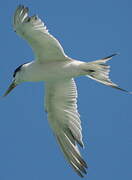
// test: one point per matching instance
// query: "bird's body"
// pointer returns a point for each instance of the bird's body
(51, 71)
(58, 70)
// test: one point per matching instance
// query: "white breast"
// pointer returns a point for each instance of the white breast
(50, 71)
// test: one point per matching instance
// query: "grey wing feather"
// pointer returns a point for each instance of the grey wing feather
(65, 122)
(32, 29)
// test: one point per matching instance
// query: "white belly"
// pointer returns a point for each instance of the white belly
(51, 71)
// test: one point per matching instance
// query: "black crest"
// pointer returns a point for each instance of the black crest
(17, 69)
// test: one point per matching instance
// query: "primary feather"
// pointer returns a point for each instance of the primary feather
(32, 29)
(61, 105)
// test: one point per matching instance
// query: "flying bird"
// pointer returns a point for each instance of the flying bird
(58, 71)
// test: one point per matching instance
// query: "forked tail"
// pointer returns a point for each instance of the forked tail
(99, 71)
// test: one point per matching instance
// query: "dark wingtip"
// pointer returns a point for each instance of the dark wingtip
(115, 54)
(26, 9)
(20, 6)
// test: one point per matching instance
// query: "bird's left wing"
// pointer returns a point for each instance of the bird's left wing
(60, 103)
(32, 29)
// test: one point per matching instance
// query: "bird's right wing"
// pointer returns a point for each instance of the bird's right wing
(45, 46)
(64, 119)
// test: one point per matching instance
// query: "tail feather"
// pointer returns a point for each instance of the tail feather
(99, 71)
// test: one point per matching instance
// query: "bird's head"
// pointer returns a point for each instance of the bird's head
(16, 80)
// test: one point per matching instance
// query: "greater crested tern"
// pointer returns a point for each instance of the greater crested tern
(58, 70)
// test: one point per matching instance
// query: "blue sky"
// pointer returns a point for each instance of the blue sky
(88, 30)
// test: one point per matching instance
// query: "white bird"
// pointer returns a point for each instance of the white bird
(58, 70)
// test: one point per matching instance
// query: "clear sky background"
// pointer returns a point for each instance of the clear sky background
(88, 30)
